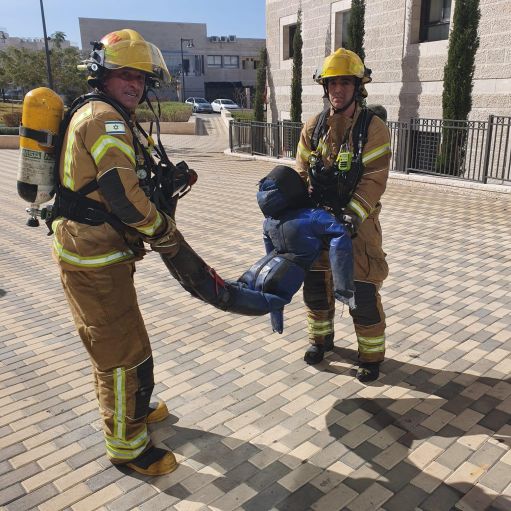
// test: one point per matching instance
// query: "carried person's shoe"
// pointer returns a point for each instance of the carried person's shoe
(157, 412)
(368, 371)
(154, 462)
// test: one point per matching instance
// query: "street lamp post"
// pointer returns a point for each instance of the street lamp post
(46, 49)
(189, 44)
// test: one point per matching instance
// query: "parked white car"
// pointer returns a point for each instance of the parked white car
(224, 104)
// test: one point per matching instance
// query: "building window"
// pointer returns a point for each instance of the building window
(287, 43)
(435, 19)
(214, 61)
(231, 61)
(249, 63)
(342, 19)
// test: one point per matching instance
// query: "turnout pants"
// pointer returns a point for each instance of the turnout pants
(368, 316)
(108, 319)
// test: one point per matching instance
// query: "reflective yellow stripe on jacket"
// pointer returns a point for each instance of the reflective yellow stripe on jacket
(106, 142)
(96, 261)
(375, 153)
(68, 180)
(149, 230)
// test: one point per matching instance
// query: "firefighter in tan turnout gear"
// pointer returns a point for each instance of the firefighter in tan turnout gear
(344, 155)
(101, 154)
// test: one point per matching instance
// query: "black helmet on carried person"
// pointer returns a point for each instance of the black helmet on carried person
(282, 189)
(125, 48)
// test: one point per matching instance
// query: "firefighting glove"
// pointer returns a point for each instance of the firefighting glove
(169, 238)
(352, 222)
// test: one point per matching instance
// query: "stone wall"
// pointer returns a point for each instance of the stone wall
(407, 75)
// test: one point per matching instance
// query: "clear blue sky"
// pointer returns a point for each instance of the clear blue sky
(243, 18)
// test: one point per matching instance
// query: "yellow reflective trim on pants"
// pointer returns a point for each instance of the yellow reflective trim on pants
(68, 180)
(120, 403)
(375, 153)
(371, 344)
(355, 206)
(149, 230)
(127, 450)
(320, 327)
(106, 142)
(90, 261)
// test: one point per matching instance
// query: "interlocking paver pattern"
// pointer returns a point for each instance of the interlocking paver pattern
(252, 426)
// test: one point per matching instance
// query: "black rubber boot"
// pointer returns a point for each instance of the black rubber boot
(328, 344)
(314, 354)
(368, 371)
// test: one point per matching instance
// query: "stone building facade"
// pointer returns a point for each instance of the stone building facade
(214, 67)
(406, 48)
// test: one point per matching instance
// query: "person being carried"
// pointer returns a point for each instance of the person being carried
(295, 233)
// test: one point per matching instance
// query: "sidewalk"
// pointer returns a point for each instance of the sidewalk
(253, 427)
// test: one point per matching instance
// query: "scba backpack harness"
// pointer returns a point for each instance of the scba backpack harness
(333, 186)
(162, 181)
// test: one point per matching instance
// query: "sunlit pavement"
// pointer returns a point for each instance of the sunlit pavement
(254, 427)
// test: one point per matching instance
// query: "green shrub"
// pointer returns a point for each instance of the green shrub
(4, 130)
(172, 111)
(243, 115)
(12, 119)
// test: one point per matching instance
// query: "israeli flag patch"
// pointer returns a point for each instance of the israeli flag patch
(115, 128)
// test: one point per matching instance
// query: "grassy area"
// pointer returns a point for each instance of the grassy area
(13, 110)
(170, 111)
(242, 115)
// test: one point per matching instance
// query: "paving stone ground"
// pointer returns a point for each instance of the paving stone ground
(252, 426)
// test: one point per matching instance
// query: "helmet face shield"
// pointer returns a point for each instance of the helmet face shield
(139, 55)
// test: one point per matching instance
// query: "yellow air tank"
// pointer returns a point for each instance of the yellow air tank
(40, 120)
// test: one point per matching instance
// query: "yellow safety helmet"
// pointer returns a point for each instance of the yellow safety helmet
(126, 48)
(344, 63)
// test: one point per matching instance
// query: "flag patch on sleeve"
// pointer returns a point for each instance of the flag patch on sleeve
(115, 128)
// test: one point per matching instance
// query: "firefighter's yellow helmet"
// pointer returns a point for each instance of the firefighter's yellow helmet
(126, 48)
(344, 62)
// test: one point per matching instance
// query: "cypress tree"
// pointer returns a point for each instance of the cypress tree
(296, 80)
(356, 30)
(459, 70)
(260, 91)
(458, 84)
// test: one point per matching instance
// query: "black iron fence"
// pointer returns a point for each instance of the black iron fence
(469, 150)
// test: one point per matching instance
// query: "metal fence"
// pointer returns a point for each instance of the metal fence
(469, 150)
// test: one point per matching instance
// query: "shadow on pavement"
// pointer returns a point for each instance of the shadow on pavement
(376, 444)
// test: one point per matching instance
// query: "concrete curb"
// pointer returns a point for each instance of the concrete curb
(445, 183)
(175, 128)
(9, 142)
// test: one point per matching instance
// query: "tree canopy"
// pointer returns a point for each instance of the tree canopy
(21, 67)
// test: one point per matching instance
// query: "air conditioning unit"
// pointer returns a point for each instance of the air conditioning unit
(232, 38)
(223, 39)
(214, 39)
